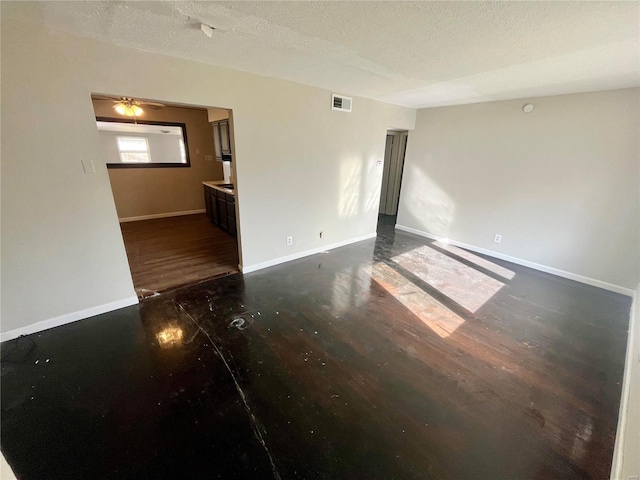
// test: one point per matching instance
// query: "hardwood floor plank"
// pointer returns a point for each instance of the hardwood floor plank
(167, 253)
(379, 360)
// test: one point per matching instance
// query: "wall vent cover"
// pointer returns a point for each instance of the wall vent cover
(338, 102)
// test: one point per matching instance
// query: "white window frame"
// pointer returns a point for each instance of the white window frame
(122, 151)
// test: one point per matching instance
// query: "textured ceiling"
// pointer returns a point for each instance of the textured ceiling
(417, 54)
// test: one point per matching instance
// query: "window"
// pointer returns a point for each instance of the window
(134, 149)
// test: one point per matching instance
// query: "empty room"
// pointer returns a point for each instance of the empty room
(320, 240)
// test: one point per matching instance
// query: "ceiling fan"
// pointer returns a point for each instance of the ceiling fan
(127, 106)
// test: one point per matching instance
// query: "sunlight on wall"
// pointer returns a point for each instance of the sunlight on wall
(374, 183)
(350, 186)
(464, 285)
(431, 312)
(481, 262)
(429, 204)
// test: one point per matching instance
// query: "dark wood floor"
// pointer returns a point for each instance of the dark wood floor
(166, 253)
(397, 358)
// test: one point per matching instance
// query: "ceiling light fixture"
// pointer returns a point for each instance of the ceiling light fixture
(128, 107)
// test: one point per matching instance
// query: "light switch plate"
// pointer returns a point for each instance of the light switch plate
(208, 158)
(88, 166)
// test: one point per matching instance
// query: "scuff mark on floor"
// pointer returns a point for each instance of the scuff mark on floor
(520, 299)
(254, 422)
(144, 293)
(240, 323)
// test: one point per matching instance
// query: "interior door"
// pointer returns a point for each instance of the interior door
(385, 174)
(392, 175)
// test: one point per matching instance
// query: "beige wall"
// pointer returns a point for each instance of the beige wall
(148, 191)
(300, 166)
(560, 184)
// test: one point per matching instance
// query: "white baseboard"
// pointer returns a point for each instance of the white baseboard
(160, 215)
(526, 263)
(68, 318)
(306, 253)
(621, 432)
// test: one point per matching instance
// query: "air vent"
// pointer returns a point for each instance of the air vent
(338, 102)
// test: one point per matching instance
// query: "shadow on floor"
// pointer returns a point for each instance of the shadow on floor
(390, 358)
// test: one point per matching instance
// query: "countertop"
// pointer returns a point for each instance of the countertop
(217, 185)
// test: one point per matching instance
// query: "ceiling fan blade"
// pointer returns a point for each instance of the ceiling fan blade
(154, 104)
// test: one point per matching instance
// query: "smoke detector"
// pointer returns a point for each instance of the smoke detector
(207, 29)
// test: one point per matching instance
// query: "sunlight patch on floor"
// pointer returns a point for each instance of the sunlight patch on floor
(481, 262)
(464, 285)
(431, 312)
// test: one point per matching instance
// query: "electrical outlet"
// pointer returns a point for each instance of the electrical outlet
(497, 238)
(208, 158)
(289, 240)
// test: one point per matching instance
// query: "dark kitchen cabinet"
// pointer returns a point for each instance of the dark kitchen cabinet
(216, 141)
(231, 215)
(223, 220)
(225, 142)
(214, 207)
(222, 140)
(210, 204)
(221, 209)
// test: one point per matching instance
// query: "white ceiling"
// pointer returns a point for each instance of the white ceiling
(418, 54)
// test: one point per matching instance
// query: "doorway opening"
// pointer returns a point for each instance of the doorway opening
(166, 162)
(395, 148)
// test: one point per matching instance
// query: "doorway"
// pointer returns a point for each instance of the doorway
(163, 166)
(395, 148)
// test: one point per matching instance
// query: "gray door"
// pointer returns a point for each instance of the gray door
(392, 174)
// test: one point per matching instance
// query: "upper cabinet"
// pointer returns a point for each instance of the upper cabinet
(216, 141)
(224, 137)
(222, 140)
